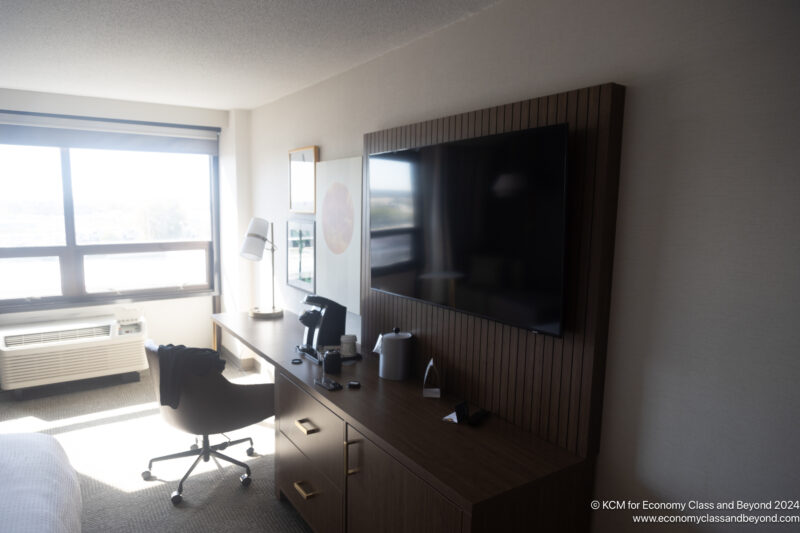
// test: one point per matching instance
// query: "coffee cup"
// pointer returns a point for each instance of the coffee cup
(348, 345)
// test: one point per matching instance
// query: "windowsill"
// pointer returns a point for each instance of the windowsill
(42, 304)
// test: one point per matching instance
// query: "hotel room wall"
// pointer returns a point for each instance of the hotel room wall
(700, 393)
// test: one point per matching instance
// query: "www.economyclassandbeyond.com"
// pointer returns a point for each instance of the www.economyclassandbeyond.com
(728, 512)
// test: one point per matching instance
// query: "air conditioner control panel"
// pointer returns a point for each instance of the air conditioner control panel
(129, 328)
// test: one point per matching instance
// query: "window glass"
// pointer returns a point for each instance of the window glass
(31, 197)
(127, 197)
(149, 270)
(29, 277)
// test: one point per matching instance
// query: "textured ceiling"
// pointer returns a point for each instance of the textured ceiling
(222, 54)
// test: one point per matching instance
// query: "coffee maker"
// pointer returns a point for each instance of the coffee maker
(324, 325)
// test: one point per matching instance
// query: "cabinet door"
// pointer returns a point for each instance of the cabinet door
(382, 495)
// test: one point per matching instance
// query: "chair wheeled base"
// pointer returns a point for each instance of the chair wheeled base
(205, 452)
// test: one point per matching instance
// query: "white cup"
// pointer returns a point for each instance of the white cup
(348, 346)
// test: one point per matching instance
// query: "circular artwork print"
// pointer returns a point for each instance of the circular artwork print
(337, 218)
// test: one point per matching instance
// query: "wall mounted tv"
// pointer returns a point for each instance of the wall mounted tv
(476, 225)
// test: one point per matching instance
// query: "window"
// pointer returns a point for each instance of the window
(92, 217)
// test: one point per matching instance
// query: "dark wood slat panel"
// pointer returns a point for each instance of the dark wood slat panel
(516, 117)
(439, 324)
(487, 392)
(454, 336)
(542, 116)
(555, 390)
(498, 368)
(570, 116)
(538, 367)
(529, 363)
(504, 369)
(524, 114)
(552, 109)
(556, 114)
(548, 385)
(589, 173)
(508, 362)
(519, 376)
(508, 117)
(511, 380)
(580, 143)
(461, 358)
(459, 347)
(547, 376)
(479, 362)
(482, 382)
(602, 254)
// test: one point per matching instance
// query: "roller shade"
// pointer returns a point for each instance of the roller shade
(35, 129)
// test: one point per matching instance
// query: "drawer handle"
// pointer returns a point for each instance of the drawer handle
(302, 491)
(349, 471)
(306, 426)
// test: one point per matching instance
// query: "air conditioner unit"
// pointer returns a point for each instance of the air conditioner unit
(55, 352)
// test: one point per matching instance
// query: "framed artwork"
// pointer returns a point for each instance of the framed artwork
(300, 256)
(339, 222)
(303, 179)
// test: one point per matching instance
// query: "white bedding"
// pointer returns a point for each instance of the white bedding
(39, 490)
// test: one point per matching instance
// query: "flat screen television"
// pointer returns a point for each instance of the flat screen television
(477, 225)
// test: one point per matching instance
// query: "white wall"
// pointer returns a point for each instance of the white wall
(701, 398)
(180, 321)
(235, 212)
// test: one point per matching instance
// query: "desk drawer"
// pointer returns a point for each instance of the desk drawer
(310, 492)
(315, 430)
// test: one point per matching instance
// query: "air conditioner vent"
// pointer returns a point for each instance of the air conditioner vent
(46, 337)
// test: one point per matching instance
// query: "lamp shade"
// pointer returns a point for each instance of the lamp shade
(255, 240)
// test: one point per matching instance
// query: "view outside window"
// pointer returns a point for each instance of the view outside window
(142, 222)
(29, 277)
(126, 197)
(126, 272)
(31, 197)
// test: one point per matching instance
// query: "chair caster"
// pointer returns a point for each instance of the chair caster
(250, 452)
(146, 475)
(245, 480)
(193, 447)
(176, 498)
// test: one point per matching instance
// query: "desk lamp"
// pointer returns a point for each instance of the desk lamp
(255, 242)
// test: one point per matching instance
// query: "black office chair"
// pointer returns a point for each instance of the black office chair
(210, 404)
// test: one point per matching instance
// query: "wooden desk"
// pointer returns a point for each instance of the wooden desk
(392, 464)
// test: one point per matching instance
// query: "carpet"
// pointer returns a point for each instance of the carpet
(110, 430)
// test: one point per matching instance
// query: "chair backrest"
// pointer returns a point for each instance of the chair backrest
(211, 404)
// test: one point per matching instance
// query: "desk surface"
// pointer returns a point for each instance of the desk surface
(467, 464)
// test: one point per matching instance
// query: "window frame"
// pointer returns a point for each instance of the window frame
(71, 256)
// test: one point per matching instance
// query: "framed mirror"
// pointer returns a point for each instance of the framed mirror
(303, 179)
